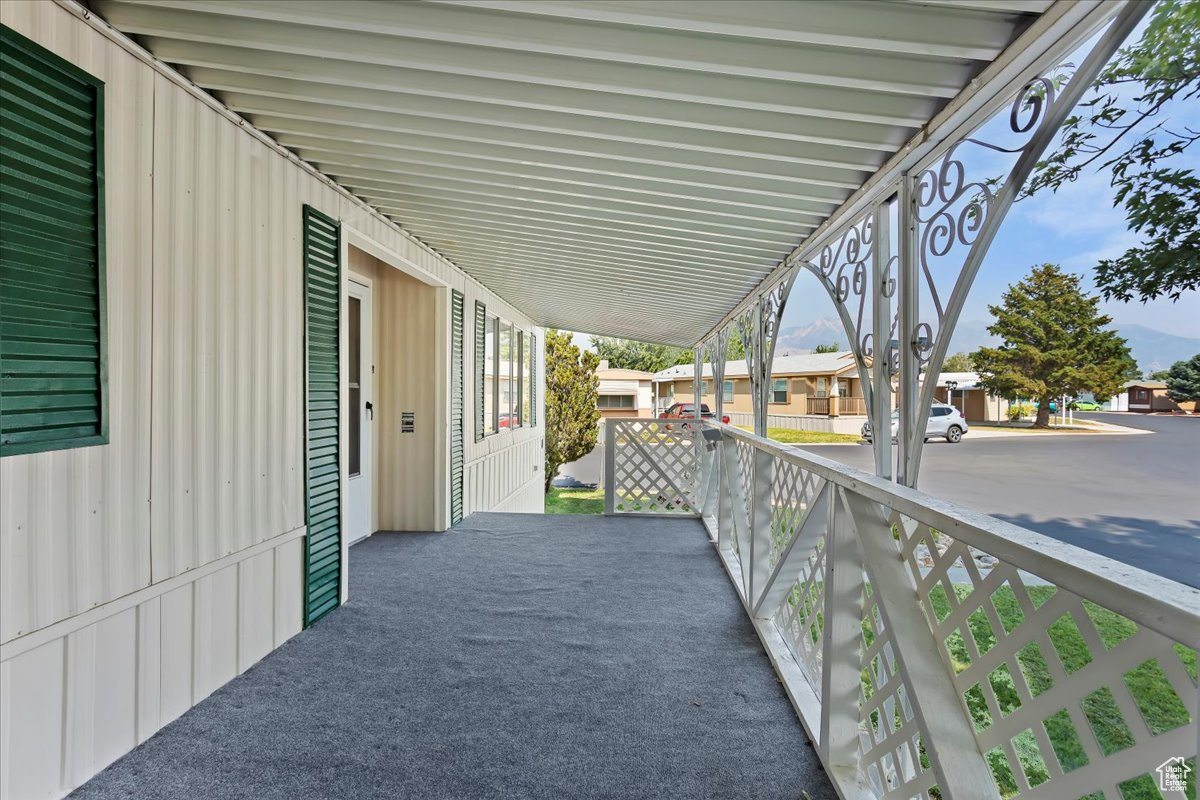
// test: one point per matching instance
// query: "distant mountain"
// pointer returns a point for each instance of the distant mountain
(1153, 350)
(799, 338)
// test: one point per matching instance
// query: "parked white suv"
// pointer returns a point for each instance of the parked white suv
(945, 421)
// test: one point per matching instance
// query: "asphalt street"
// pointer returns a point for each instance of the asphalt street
(1134, 498)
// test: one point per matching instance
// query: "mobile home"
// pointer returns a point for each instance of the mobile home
(278, 277)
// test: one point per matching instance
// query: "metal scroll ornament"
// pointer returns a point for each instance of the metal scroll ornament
(951, 209)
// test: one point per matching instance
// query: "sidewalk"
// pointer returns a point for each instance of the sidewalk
(1000, 430)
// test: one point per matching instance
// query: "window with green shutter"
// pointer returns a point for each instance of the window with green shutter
(533, 379)
(456, 407)
(323, 465)
(481, 414)
(53, 380)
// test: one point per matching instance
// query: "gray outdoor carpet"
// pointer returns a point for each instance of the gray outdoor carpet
(516, 656)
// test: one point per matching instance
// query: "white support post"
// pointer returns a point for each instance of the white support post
(739, 519)
(762, 374)
(841, 661)
(725, 507)
(697, 382)
(610, 469)
(947, 730)
(711, 505)
(909, 375)
(880, 396)
(761, 519)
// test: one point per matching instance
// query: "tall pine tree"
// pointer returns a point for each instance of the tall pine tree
(571, 412)
(1055, 343)
(1183, 380)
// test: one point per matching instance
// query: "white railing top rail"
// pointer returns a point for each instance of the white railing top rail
(1161, 604)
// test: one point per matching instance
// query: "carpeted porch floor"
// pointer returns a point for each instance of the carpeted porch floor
(516, 656)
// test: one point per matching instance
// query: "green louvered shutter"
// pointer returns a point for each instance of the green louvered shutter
(323, 501)
(53, 377)
(533, 379)
(457, 415)
(480, 363)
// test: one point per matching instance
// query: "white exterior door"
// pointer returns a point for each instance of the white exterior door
(360, 412)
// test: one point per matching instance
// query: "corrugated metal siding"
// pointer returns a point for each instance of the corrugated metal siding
(75, 524)
(90, 690)
(457, 419)
(323, 464)
(508, 480)
(52, 307)
(228, 337)
(204, 292)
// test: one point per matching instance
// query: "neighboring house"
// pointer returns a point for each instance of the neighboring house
(811, 384)
(1149, 396)
(624, 392)
(975, 403)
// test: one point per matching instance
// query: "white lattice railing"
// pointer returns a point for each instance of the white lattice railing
(930, 651)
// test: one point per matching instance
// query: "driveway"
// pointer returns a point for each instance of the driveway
(1132, 498)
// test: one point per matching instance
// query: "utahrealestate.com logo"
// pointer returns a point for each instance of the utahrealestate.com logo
(1172, 774)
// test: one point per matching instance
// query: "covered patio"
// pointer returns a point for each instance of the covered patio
(514, 656)
(748, 620)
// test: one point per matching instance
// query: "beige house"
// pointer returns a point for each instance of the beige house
(624, 392)
(810, 384)
(1150, 396)
(962, 390)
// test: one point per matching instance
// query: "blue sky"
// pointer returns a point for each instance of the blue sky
(1075, 228)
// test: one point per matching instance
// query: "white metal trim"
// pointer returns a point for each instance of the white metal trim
(35, 639)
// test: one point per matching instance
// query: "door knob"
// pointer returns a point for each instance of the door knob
(370, 410)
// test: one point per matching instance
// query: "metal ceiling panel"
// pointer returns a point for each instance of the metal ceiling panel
(625, 167)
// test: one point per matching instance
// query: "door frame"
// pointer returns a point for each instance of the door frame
(355, 237)
(360, 287)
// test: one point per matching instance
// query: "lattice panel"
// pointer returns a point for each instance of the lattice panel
(745, 457)
(892, 755)
(793, 491)
(657, 467)
(800, 618)
(1067, 697)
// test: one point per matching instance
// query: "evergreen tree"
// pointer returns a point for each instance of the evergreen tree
(571, 412)
(827, 348)
(1054, 343)
(1183, 380)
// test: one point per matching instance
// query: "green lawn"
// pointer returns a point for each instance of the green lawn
(789, 436)
(1147, 684)
(575, 501)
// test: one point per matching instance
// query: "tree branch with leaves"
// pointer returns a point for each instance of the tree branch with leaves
(1132, 137)
(572, 417)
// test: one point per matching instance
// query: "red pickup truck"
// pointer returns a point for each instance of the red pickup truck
(688, 411)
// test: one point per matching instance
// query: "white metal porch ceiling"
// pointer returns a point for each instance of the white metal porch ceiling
(624, 167)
